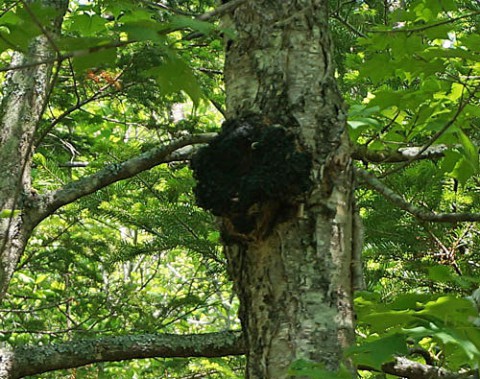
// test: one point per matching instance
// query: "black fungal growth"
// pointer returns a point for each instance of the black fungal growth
(250, 164)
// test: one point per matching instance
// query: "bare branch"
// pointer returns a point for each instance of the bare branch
(405, 368)
(221, 10)
(362, 153)
(50, 202)
(101, 93)
(32, 360)
(399, 201)
(73, 164)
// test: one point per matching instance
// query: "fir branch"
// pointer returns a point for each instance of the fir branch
(46, 204)
(399, 201)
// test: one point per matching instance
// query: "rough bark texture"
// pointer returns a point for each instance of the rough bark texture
(405, 368)
(36, 360)
(26, 93)
(294, 284)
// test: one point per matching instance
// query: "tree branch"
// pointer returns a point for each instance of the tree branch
(362, 153)
(32, 360)
(73, 54)
(406, 368)
(43, 206)
(450, 20)
(463, 103)
(221, 10)
(336, 15)
(419, 213)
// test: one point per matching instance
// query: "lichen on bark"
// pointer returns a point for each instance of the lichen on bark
(294, 285)
(24, 100)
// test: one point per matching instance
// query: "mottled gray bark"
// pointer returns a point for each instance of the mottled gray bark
(405, 368)
(295, 285)
(36, 360)
(25, 97)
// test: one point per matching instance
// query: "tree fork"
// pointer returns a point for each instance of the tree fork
(294, 285)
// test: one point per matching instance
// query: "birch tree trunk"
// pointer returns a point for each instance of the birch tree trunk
(294, 285)
(26, 93)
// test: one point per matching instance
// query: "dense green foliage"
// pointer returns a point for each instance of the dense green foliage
(412, 79)
(140, 256)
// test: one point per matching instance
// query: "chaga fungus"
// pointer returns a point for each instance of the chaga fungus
(248, 170)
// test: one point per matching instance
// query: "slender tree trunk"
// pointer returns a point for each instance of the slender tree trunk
(295, 283)
(26, 93)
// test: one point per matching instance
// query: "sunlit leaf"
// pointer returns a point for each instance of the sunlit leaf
(377, 352)
(8, 213)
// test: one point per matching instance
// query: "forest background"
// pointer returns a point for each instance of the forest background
(133, 266)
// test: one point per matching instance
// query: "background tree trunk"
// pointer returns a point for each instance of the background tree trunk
(26, 94)
(294, 285)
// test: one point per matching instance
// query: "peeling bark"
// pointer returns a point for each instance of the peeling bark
(294, 286)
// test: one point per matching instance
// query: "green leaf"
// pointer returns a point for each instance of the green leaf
(87, 25)
(19, 29)
(442, 274)
(40, 278)
(360, 125)
(175, 76)
(25, 278)
(458, 343)
(450, 160)
(143, 30)
(183, 22)
(387, 98)
(39, 159)
(19, 37)
(82, 43)
(470, 150)
(412, 301)
(450, 309)
(381, 321)
(471, 41)
(382, 350)
(463, 171)
(103, 58)
(377, 68)
(8, 213)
